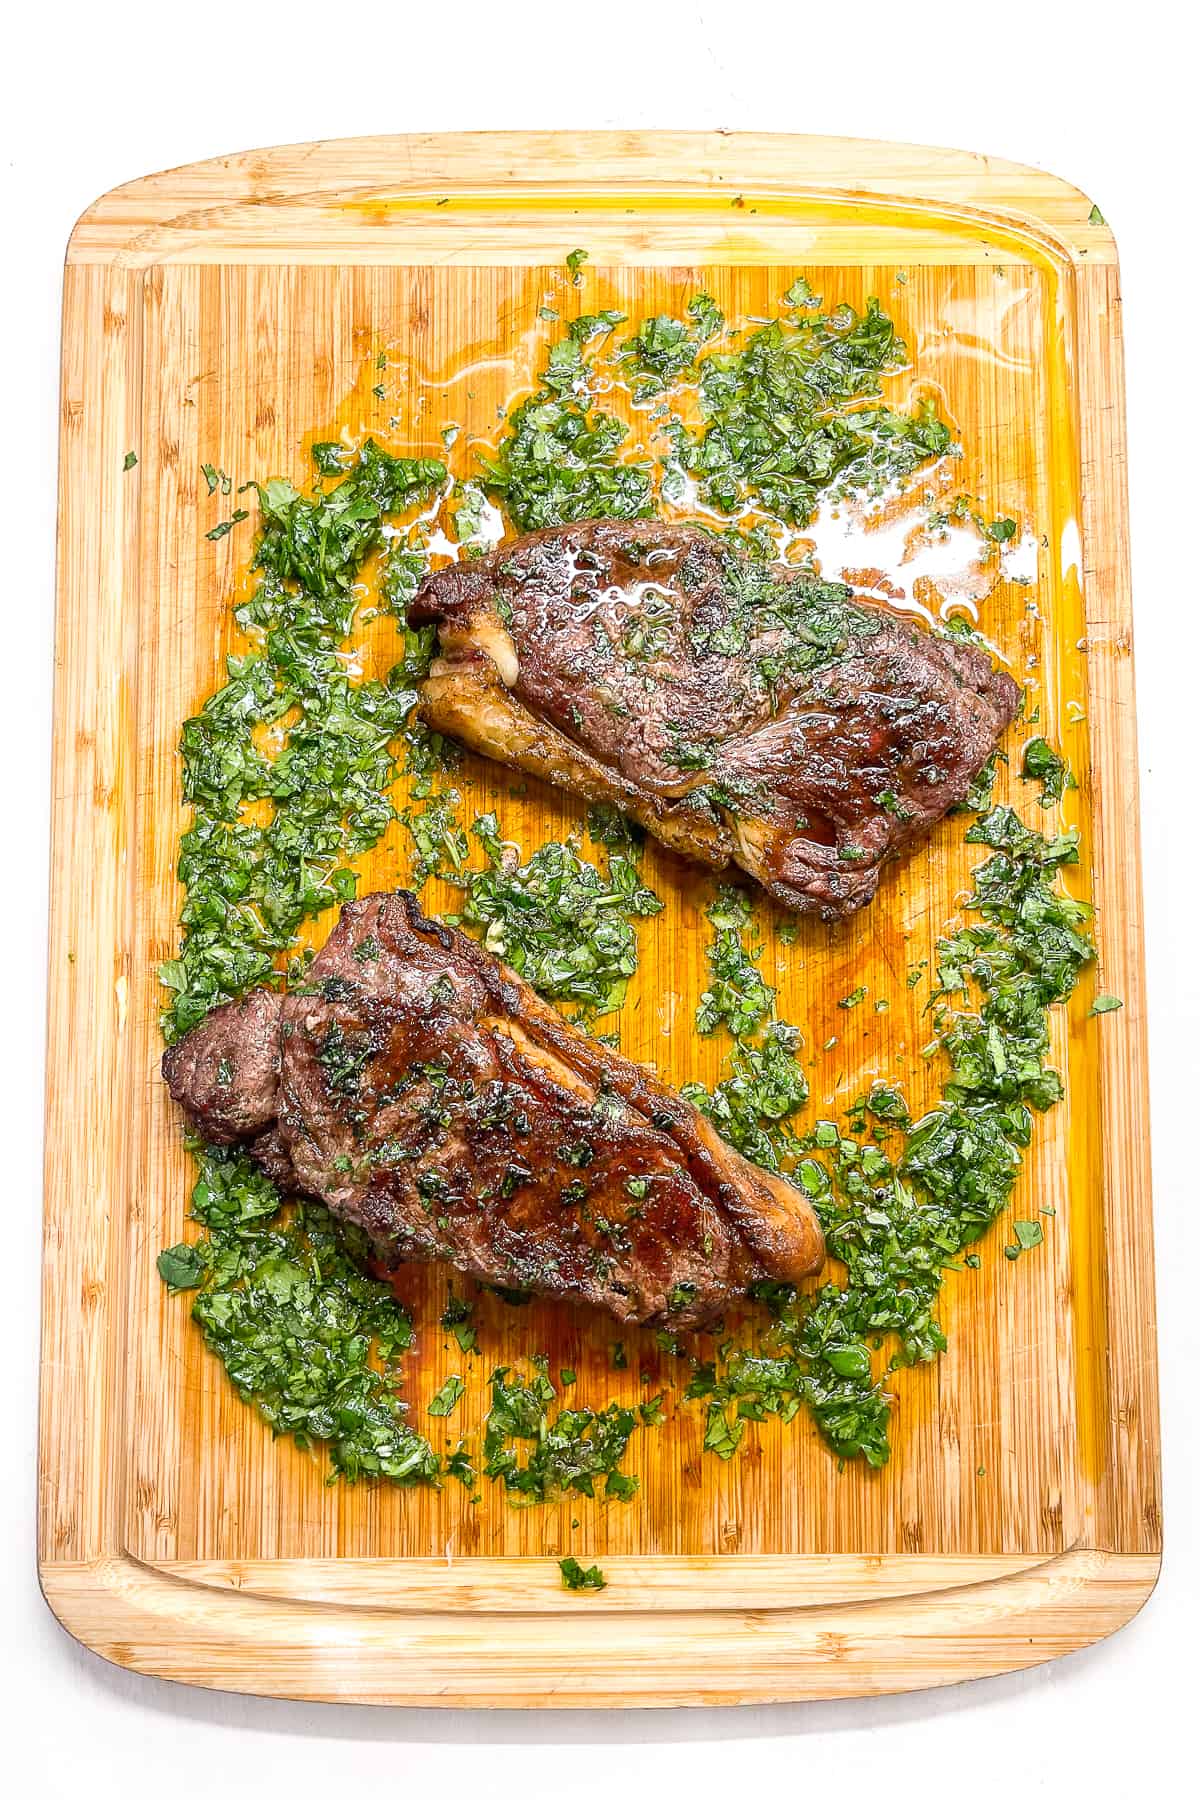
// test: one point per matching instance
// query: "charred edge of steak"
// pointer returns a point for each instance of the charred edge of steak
(273, 1155)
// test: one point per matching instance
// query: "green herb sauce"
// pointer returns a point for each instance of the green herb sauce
(899, 1210)
(290, 768)
(250, 885)
(795, 413)
(539, 1455)
(306, 1336)
(558, 920)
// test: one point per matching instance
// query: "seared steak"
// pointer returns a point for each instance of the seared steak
(741, 711)
(227, 1071)
(424, 1092)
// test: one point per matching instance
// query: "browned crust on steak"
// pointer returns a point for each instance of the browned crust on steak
(809, 783)
(429, 1096)
(225, 1073)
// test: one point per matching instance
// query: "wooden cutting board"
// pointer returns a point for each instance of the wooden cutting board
(232, 311)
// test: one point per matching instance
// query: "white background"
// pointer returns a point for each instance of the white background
(1102, 95)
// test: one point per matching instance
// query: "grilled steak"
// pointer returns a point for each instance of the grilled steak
(227, 1071)
(424, 1092)
(740, 711)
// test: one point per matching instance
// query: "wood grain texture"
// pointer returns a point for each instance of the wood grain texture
(560, 1655)
(229, 313)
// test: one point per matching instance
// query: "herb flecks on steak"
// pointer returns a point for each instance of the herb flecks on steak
(427, 1095)
(741, 711)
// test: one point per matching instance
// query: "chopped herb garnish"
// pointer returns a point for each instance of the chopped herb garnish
(898, 1221)
(227, 525)
(664, 348)
(561, 923)
(284, 1304)
(456, 1319)
(1041, 763)
(559, 463)
(797, 412)
(447, 1397)
(183, 1266)
(217, 478)
(438, 838)
(251, 885)
(751, 1107)
(570, 1451)
(738, 998)
(578, 1579)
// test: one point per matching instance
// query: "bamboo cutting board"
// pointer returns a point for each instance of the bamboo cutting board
(233, 311)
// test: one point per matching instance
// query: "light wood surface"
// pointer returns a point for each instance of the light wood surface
(230, 313)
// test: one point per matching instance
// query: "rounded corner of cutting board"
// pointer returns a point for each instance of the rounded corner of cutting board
(71, 1592)
(148, 1622)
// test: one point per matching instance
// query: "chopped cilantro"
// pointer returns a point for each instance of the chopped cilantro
(1040, 763)
(559, 462)
(561, 923)
(459, 1466)
(897, 1222)
(570, 1450)
(665, 348)
(456, 1319)
(251, 885)
(438, 838)
(320, 542)
(560, 458)
(797, 412)
(579, 1580)
(447, 1397)
(738, 998)
(752, 1105)
(283, 1303)
(182, 1266)
(217, 478)
(978, 796)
